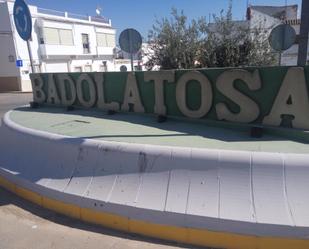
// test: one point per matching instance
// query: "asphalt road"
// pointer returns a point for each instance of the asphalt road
(9, 101)
(24, 225)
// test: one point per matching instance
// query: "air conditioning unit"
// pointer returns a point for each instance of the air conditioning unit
(123, 68)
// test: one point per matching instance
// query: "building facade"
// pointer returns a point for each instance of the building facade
(60, 42)
(269, 17)
(265, 19)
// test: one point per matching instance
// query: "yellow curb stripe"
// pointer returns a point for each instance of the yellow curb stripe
(7, 185)
(29, 195)
(179, 234)
(61, 207)
(105, 219)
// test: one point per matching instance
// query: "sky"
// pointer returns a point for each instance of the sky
(141, 14)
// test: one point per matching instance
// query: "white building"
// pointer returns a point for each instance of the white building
(139, 59)
(271, 16)
(290, 56)
(123, 60)
(61, 42)
(268, 17)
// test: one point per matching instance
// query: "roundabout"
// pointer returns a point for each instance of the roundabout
(182, 182)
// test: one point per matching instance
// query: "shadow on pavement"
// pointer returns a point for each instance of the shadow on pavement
(7, 198)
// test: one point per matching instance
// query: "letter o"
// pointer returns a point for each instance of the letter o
(79, 91)
(206, 94)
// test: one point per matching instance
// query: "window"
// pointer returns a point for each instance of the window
(37, 68)
(78, 69)
(103, 68)
(88, 68)
(66, 37)
(110, 39)
(11, 58)
(40, 35)
(53, 36)
(101, 40)
(105, 40)
(138, 68)
(85, 42)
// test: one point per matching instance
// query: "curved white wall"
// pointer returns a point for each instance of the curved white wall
(250, 193)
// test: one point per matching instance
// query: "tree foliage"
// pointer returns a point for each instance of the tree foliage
(174, 42)
(177, 43)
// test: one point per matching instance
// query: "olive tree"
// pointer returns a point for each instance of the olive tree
(234, 43)
(177, 43)
(174, 42)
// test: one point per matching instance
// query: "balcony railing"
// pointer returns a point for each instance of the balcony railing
(51, 12)
(78, 16)
(99, 19)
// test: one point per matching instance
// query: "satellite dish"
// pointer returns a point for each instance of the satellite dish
(98, 10)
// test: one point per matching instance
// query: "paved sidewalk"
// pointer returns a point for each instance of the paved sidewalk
(24, 225)
(9, 101)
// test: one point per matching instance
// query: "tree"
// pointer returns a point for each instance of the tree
(177, 44)
(174, 42)
(234, 43)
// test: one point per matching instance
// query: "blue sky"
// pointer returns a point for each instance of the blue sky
(141, 14)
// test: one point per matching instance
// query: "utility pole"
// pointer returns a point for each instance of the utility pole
(303, 36)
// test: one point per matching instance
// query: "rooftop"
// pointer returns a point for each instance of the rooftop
(97, 18)
(280, 12)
